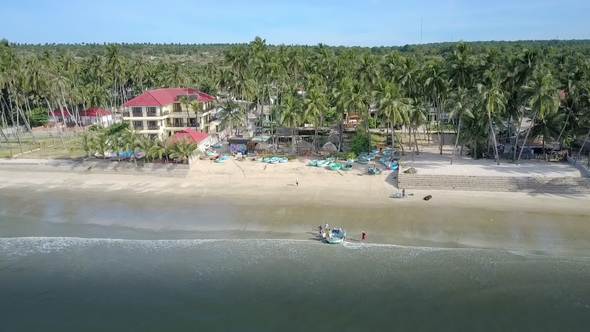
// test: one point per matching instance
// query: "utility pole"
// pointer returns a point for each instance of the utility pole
(421, 29)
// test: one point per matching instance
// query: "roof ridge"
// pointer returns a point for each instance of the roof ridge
(156, 99)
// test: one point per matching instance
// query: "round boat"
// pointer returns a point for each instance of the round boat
(336, 236)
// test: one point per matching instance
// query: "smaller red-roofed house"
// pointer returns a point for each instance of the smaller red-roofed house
(96, 116)
(201, 139)
(91, 116)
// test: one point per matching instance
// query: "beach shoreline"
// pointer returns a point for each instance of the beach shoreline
(284, 185)
(264, 202)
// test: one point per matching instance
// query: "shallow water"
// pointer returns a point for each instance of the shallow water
(72, 262)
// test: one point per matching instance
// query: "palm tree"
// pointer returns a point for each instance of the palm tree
(460, 66)
(494, 103)
(232, 114)
(342, 94)
(543, 99)
(316, 106)
(417, 117)
(435, 90)
(549, 128)
(182, 151)
(100, 143)
(86, 143)
(460, 105)
(157, 151)
(392, 106)
(290, 116)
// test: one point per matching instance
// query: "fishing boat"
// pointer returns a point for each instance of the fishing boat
(373, 170)
(274, 160)
(221, 159)
(336, 166)
(336, 236)
(347, 166)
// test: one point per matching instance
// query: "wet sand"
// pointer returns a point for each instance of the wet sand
(270, 205)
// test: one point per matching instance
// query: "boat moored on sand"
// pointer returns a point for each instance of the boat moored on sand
(336, 236)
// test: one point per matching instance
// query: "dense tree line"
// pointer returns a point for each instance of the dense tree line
(494, 92)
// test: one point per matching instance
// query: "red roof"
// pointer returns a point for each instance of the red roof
(91, 112)
(95, 112)
(190, 135)
(60, 112)
(163, 97)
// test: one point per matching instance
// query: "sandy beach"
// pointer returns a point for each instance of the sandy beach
(249, 182)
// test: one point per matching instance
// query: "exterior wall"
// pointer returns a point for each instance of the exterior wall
(168, 120)
(105, 120)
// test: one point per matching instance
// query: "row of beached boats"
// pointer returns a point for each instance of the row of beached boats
(332, 164)
(221, 158)
(384, 157)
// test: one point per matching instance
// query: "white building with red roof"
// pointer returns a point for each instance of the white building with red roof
(92, 116)
(96, 116)
(201, 139)
(164, 112)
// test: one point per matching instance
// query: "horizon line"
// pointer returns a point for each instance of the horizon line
(14, 43)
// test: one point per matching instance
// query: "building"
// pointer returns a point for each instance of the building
(89, 117)
(164, 112)
(96, 116)
(201, 139)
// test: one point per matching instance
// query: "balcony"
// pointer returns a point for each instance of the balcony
(137, 114)
(153, 127)
(152, 113)
(138, 125)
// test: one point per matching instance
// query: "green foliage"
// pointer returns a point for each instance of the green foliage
(360, 143)
(487, 87)
(38, 117)
(182, 151)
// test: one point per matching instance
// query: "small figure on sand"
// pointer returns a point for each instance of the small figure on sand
(404, 192)
(297, 182)
(363, 236)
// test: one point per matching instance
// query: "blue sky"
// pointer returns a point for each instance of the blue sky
(344, 22)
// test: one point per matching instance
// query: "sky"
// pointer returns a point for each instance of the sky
(332, 22)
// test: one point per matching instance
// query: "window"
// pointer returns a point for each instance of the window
(153, 125)
(178, 123)
(138, 125)
(137, 112)
(152, 111)
(177, 107)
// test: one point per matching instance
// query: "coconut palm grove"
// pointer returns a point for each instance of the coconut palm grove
(487, 93)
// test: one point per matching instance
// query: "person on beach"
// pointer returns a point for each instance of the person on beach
(321, 231)
(363, 236)
(297, 182)
(404, 192)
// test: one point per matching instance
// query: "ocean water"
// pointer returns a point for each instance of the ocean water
(119, 268)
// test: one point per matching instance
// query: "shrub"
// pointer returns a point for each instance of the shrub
(38, 117)
(360, 143)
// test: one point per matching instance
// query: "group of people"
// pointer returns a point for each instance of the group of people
(324, 232)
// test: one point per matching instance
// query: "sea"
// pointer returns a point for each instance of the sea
(100, 261)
